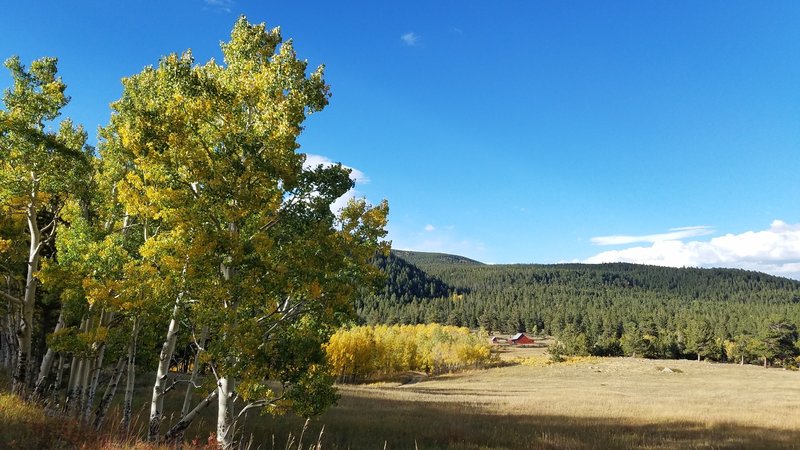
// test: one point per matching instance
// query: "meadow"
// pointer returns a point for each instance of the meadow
(526, 403)
(585, 403)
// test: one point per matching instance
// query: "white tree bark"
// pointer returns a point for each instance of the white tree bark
(225, 385)
(93, 380)
(167, 350)
(127, 405)
(175, 434)
(83, 390)
(105, 319)
(69, 398)
(86, 367)
(47, 361)
(187, 399)
(25, 335)
(108, 395)
(224, 413)
(75, 387)
(59, 372)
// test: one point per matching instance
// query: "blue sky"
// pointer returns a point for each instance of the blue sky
(511, 131)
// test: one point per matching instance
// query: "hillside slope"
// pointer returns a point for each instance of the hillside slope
(662, 305)
(428, 260)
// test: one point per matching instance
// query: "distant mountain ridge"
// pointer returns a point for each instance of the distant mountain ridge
(406, 281)
(423, 259)
(630, 273)
(603, 301)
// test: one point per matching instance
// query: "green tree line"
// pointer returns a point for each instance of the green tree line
(606, 309)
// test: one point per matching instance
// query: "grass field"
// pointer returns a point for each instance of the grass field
(593, 403)
(585, 403)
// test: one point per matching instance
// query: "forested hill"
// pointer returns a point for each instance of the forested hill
(426, 260)
(406, 282)
(690, 283)
(602, 301)
(467, 275)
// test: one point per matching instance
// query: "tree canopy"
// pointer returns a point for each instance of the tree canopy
(199, 221)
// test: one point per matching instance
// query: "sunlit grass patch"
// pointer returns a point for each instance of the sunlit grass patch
(543, 360)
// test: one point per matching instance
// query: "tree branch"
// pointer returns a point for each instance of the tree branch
(258, 404)
(11, 298)
(177, 382)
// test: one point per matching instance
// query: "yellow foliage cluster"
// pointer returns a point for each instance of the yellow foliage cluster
(370, 352)
(5, 245)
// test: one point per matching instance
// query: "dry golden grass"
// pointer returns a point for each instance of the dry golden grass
(25, 425)
(583, 403)
(587, 402)
(620, 388)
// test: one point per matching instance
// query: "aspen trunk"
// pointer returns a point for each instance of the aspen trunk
(47, 361)
(187, 399)
(108, 395)
(86, 366)
(224, 413)
(75, 394)
(127, 405)
(24, 337)
(83, 390)
(12, 323)
(69, 398)
(224, 384)
(167, 350)
(25, 333)
(94, 379)
(59, 373)
(75, 374)
(56, 386)
(175, 434)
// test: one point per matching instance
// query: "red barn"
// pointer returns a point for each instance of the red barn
(521, 338)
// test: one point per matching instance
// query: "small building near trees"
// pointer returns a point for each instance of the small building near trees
(521, 338)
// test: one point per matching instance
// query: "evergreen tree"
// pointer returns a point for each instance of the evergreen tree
(700, 339)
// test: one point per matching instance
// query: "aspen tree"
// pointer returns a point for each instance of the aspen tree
(246, 235)
(39, 168)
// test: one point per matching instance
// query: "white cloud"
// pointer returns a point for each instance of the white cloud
(315, 160)
(410, 39)
(430, 228)
(219, 5)
(356, 175)
(775, 251)
(673, 234)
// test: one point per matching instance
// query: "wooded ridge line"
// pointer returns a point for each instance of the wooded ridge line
(603, 309)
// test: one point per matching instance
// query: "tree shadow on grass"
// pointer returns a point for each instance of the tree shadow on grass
(361, 423)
